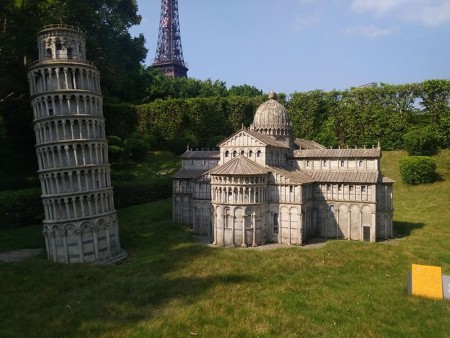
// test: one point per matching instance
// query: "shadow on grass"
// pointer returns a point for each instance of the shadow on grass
(166, 269)
(402, 229)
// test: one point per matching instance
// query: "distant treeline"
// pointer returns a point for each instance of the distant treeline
(359, 116)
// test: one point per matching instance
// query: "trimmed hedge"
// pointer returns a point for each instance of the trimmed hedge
(417, 169)
(420, 142)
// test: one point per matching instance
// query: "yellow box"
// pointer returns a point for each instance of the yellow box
(426, 281)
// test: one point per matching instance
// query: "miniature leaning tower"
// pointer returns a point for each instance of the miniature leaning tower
(80, 224)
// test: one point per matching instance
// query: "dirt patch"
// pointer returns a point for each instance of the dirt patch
(18, 255)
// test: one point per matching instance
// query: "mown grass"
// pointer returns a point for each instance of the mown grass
(172, 286)
(155, 165)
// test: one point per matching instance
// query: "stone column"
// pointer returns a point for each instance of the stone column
(244, 245)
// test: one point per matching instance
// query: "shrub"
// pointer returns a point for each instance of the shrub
(21, 207)
(114, 141)
(417, 169)
(136, 148)
(177, 145)
(115, 153)
(420, 142)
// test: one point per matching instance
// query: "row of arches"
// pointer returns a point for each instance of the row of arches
(238, 179)
(69, 129)
(238, 226)
(76, 228)
(346, 221)
(74, 181)
(64, 78)
(71, 104)
(62, 156)
(235, 195)
(247, 152)
(345, 192)
(74, 207)
(272, 131)
(73, 44)
(87, 241)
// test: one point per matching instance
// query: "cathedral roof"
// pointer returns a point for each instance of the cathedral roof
(271, 115)
(338, 153)
(189, 173)
(266, 139)
(344, 176)
(308, 144)
(240, 165)
(296, 176)
(201, 154)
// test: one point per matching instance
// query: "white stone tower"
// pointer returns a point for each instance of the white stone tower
(80, 222)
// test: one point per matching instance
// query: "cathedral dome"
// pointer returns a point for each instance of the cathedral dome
(272, 116)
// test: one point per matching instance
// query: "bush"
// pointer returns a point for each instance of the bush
(115, 153)
(177, 145)
(417, 169)
(21, 208)
(420, 142)
(136, 148)
(114, 141)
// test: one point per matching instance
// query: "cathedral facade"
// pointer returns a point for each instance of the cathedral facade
(264, 186)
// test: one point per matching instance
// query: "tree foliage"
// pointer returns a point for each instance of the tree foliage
(109, 44)
(366, 116)
(195, 120)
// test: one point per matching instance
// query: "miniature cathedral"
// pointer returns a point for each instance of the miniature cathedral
(264, 186)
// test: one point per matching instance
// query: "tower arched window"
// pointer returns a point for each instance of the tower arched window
(227, 153)
(258, 153)
(250, 153)
(48, 53)
(242, 152)
(234, 153)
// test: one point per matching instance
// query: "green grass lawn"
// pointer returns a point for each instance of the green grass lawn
(172, 286)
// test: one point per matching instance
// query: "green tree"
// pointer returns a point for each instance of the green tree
(245, 90)
(435, 96)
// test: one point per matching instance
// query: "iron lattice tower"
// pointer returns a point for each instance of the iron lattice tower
(80, 224)
(169, 53)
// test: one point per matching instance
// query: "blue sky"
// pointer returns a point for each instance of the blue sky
(302, 45)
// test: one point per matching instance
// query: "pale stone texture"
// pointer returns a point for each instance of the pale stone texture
(262, 186)
(80, 222)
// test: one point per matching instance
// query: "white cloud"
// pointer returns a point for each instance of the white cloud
(425, 12)
(369, 31)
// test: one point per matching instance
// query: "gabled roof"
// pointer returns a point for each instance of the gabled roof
(201, 154)
(189, 173)
(240, 165)
(308, 144)
(385, 179)
(338, 153)
(344, 176)
(296, 176)
(266, 140)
